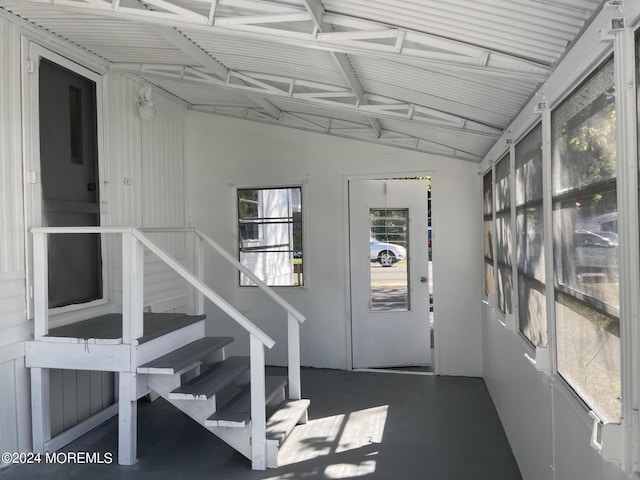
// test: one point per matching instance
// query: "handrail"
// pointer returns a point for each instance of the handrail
(233, 261)
(242, 320)
(225, 306)
(263, 286)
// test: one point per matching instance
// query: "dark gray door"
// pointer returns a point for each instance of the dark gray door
(70, 187)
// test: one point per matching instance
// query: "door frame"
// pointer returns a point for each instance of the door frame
(32, 186)
(346, 179)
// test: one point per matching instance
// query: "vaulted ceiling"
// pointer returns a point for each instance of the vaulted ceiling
(437, 76)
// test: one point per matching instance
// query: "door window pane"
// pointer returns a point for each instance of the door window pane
(388, 255)
(585, 226)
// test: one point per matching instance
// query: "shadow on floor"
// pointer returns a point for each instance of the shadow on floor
(362, 426)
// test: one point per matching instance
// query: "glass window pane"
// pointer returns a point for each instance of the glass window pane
(585, 226)
(532, 310)
(503, 235)
(584, 134)
(270, 235)
(487, 208)
(388, 252)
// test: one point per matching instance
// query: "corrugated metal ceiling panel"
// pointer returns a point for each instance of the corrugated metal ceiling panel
(112, 39)
(456, 84)
(484, 99)
(245, 54)
(539, 30)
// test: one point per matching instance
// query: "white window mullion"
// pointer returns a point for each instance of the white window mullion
(627, 149)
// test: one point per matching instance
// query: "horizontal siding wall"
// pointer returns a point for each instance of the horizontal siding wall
(15, 427)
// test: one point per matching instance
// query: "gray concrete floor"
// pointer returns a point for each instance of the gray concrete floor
(362, 426)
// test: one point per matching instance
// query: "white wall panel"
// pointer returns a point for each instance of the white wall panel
(11, 210)
(223, 153)
(146, 181)
(15, 429)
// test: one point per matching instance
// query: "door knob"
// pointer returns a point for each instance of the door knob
(424, 279)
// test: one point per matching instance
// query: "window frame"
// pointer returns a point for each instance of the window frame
(301, 274)
(572, 391)
(488, 242)
(527, 205)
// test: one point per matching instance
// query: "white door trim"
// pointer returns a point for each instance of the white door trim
(347, 264)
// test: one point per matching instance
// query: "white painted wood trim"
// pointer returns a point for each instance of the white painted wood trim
(199, 270)
(79, 356)
(40, 286)
(132, 288)
(295, 388)
(75, 432)
(127, 419)
(258, 409)
(40, 408)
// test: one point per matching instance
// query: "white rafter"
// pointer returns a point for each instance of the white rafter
(354, 36)
(316, 11)
(342, 128)
(316, 94)
(197, 54)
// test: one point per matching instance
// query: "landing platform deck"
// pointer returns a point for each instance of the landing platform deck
(109, 327)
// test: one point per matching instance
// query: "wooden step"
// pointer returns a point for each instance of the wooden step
(212, 381)
(237, 411)
(183, 357)
(285, 418)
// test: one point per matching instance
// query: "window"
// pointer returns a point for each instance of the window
(487, 209)
(532, 313)
(585, 226)
(388, 245)
(270, 235)
(503, 235)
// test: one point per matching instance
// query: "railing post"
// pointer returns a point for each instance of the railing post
(132, 288)
(199, 271)
(258, 407)
(40, 286)
(132, 328)
(295, 389)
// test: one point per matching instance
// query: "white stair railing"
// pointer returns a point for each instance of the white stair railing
(294, 317)
(134, 241)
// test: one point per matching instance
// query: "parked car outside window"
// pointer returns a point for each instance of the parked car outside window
(386, 253)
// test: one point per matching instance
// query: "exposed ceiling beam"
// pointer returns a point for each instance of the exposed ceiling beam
(196, 53)
(316, 11)
(316, 94)
(341, 128)
(355, 36)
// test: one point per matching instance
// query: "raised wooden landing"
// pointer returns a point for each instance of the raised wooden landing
(109, 327)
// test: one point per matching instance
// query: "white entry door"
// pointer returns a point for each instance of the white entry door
(389, 273)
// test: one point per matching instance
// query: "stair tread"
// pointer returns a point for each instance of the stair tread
(211, 381)
(285, 418)
(109, 326)
(237, 412)
(181, 358)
